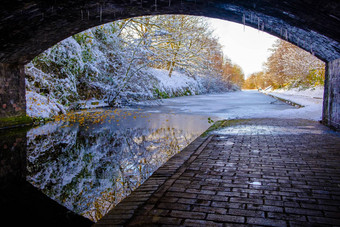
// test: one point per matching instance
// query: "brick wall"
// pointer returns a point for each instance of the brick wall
(12, 90)
(331, 108)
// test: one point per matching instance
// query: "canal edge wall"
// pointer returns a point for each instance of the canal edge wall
(289, 102)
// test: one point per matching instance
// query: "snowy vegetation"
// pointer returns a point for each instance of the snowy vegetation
(288, 67)
(128, 61)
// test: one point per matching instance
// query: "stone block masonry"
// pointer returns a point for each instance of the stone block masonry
(12, 95)
(12, 90)
(331, 108)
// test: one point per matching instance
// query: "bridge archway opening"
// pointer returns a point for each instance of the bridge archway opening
(31, 28)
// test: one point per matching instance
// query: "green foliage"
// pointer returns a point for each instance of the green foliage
(161, 94)
(87, 55)
(94, 103)
(7, 122)
(100, 34)
(316, 77)
(187, 92)
(41, 120)
(83, 38)
(165, 95)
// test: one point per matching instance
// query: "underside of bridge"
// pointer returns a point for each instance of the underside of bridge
(29, 27)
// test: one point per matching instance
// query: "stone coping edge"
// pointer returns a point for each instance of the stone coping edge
(297, 105)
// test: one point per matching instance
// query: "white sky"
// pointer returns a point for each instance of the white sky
(246, 47)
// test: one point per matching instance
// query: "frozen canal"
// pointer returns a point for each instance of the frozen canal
(89, 161)
(240, 104)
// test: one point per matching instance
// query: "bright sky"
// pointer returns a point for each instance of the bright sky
(246, 47)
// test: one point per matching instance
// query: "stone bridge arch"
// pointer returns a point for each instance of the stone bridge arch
(29, 28)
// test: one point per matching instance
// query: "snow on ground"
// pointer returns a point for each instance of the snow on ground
(177, 81)
(311, 99)
(295, 93)
(40, 106)
(92, 103)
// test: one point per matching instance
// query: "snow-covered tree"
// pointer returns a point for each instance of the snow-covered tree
(114, 62)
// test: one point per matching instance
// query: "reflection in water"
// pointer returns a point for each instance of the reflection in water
(90, 161)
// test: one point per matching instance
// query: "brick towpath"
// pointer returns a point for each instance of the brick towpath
(254, 172)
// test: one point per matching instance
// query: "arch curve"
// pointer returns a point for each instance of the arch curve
(29, 28)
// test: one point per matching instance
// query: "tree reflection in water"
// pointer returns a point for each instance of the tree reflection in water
(89, 168)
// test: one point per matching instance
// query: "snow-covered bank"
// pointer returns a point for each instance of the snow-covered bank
(157, 85)
(311, 99)
(107, 65)
(41, 106)
(313, 93)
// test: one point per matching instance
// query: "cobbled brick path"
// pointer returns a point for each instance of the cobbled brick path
(266, 172)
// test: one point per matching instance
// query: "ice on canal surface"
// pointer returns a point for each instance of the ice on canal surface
(238, 105)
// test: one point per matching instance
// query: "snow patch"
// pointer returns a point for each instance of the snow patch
(311, 99)
(177, 81)
(42, 106)
(316, 92)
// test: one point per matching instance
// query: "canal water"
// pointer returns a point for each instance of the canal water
(89, 161)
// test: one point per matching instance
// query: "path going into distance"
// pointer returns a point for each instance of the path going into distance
(271, 172)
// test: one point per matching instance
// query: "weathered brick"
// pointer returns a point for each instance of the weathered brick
(220, 198)
(187, 214)
(246, 213)
(159, 212)
(165, 220)
(193, 222)
(226, 218)
(181, 195)
(236, 194)
(288, 217)
(332, 214)
(329, 202)
(264, 208)
(266, 222)
(168, 199)
(273, 202)
(319, 207)
(205, 192)
(187, 201)
(174, 206)
(176, 189)
(303, 211)
(322, 220)
(246, 200)
(202, 202)
(212, 210)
